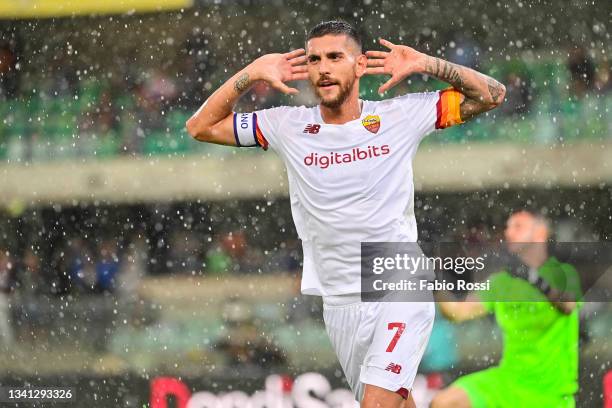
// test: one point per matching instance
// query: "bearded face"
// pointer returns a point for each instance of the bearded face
(333, 92)
(333, 68)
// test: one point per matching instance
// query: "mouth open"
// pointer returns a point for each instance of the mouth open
(326, 84)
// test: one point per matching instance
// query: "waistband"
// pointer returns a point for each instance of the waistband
(342, 300)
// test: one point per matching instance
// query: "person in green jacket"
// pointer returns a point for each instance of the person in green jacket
(539, 364)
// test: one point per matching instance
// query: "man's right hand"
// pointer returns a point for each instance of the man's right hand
(276, 69)
(213, 122)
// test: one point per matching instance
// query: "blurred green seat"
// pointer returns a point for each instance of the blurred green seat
(91, 88)
(54, 120)
(109, 145)
(477, 131)
(176, 120)
(16, 149)
(157, 143)
(4, 142)
(63, 145)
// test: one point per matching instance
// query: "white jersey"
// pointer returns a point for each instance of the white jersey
(349, 183)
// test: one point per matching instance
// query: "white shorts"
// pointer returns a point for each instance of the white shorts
(378, 343)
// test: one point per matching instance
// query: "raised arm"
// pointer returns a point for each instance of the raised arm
(213, 121)
(480, 92)
(456, 311)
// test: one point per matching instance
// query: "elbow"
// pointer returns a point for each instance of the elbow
(450, 312)
(455, 318)
(451, 318)
(196, 131)
(191, 127)
(498, 94)
(567, 308)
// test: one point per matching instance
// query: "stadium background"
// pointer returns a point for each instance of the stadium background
(130, 251)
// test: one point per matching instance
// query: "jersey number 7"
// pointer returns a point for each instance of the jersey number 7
(400, 329)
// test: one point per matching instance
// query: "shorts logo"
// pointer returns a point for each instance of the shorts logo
(312, 128)
(371, 123)
(394, 368)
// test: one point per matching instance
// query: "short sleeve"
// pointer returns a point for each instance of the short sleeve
(432, 110)
(572, 280)
(259, 128)
(562, 276)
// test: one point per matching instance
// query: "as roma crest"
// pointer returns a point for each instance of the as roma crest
(371, 122)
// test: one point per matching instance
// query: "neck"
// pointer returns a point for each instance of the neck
(349, 110)
(536, 255)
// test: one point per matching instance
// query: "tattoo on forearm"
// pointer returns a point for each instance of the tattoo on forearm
(452, 73)
(242, 83)
(470, 83)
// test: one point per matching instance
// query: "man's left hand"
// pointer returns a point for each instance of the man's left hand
(400, 62)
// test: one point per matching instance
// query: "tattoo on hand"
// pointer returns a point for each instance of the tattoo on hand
(242, 83)
(469, 108)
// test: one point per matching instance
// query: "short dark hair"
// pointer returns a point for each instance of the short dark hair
(538, 214)
(334, 27)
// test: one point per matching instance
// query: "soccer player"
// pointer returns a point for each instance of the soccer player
(539, 365)
(349, 165)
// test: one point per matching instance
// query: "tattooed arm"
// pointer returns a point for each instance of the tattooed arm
(213, 122)
(481, 92)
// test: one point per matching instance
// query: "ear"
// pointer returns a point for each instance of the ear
(361, 65)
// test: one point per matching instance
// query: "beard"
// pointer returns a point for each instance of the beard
(338, 100)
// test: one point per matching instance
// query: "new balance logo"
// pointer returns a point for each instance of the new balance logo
(394, 368)
(312, 128)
